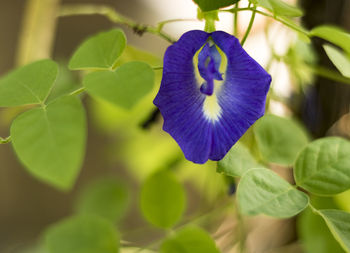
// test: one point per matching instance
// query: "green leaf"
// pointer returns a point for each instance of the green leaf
(322, 167)
(82, 234)
(343, 200)
(237, 161)
(339, 224)
(210, 5)
(313, 232)
(280, 8)
(333, 34)
(162, 199)
(100, 51)
(108, 198)
(261, 191)
(50, 141)
(30, 84)
(124, 87)
(339, 59)
(188, 240)
(279, 139)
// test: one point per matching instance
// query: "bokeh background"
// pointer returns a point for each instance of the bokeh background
(117, 145)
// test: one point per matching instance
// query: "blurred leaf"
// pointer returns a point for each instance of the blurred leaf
(279, 139)
(163, 199)
(155, 151)
(124, 87)
(30, 84)
(204, 179)
(261, 191)
(313, 231)
(299, 59)
(322, 167)
(210, 5)
(237, 161)
(343, 200)
(39, 248)
(100, 51)
(82, 234)
(135, 54)
(279, 7)
(108, 198)
(333, 34)
(50, 141)
(339, 224)
(190, 239)
(339, 59)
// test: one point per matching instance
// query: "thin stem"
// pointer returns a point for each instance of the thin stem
(161, 24)
(313, 209)
(250, 25)
(210, 17)
(279, 19)
(236, 9)
(285, 22)
(77, 92)
(5, 140)
(115, 17)
(157, 68)
(235, 21)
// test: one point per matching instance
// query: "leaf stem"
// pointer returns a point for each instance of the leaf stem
(115, 17)
(77, 91)
(235, 21)
(5, 140)
(161, 24)
(313, 209)
(284, 21)
(250, 25)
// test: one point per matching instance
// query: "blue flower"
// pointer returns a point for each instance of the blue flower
(207, 113)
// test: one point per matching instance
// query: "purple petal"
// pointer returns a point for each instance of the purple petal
(206, 127)
(242, 97)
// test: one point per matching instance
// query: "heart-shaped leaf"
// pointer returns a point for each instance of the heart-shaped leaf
(100, 51)
(30, 84)
(123, 87)
(50, 141)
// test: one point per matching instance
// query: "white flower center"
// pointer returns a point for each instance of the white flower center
(211, 108)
